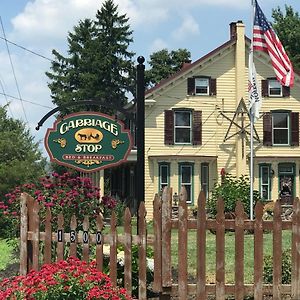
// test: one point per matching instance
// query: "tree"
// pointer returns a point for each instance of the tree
(21, 160)
(164, 64)
(99, 65)
(287, 27)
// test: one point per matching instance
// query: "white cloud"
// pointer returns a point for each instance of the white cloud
(189, 27)
(158, 44)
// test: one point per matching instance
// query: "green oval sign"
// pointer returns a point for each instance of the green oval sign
(88, 141)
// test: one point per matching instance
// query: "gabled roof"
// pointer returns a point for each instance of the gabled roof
(190, 66)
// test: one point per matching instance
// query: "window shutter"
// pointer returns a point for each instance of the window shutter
(213, 86)
(264, 88)
(285, 91)
(295, 129)
(267, 128)
(169, 127)
(191, 86)
(197, 127)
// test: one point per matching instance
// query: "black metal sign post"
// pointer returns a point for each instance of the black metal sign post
(140, 129)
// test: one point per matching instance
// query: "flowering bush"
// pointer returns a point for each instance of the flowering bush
(63, 193)
(71, 279)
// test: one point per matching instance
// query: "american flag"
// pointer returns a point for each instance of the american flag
(265, 39)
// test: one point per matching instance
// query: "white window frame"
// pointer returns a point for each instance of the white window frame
(190, 184)
(205, 179)
(161, 183)
(199, 84)
(266, 185)
(276, 85)
(189, 127)
(288, 128)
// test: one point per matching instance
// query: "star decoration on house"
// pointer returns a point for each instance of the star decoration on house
(243, 126)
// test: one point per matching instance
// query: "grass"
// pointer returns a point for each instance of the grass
(229, 253)
(6, 250)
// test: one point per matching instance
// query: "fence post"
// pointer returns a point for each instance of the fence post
(201, 247)
(128, 251)
(220, 251)
(277, 251)
(296, 251)
(142, 252)
(182, 244)
(157, 221)
(23, 234)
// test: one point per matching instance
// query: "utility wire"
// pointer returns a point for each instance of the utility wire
(7, 102)
(13, 70)
(31, 102)
(23, 48)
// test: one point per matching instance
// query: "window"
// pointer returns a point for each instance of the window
(164, 175)
(265, 182)
(271, 87)
(186, 179)
(280, 121)
(274, 88)
(201, 86)
(281, 128)
(205, 179)
(183, 126)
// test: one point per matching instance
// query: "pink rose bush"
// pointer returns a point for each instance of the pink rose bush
(71, 279)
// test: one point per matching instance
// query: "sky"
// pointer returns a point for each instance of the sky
(42, 25)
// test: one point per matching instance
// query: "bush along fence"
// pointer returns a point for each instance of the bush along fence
(162, 240)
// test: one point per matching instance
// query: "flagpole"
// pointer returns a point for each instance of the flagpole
(251, 123)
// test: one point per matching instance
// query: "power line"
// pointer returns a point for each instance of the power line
(31, 102)
(26, 49)
(6, 99)
(13, 70)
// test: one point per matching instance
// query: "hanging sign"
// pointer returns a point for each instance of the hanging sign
(88, 141)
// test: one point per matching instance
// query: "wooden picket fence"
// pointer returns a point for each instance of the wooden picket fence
(164, 226)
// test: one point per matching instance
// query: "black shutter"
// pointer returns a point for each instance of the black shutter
(267, 128)
(295, 129)
(191, 86)
(213, 86)
(285, 91)
(169, 127)
(197, 127)
(265, 88)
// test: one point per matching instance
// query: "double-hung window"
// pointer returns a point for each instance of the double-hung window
(183, 127)
(205, 179)
(186, 172)
(164, 175)
(281, 128)
(275, 88)
(202, 86)
(265, 181)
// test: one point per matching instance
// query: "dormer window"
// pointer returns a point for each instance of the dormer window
(271, 87)
(274, 87)
(201, 86)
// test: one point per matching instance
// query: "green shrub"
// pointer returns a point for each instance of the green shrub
(286, 267)
(230, 190)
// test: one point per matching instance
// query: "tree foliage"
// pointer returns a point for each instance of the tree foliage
(99, 65)
(164, 64)
(287, 27)
(21, 159)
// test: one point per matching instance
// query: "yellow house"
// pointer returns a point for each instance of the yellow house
(197, 126)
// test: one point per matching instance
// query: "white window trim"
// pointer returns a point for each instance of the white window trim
(268, 185)
(281, 128)
(202, 78)
(160, 174)
(184, 127)
(191, 180)
(269, 89)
